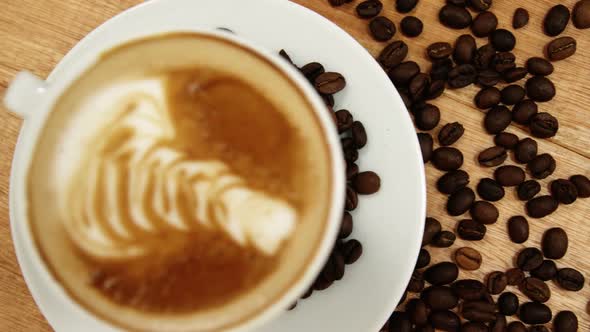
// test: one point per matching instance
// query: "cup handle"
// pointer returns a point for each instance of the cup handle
(23, 93)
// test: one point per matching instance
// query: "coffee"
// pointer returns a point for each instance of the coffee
(182, 192)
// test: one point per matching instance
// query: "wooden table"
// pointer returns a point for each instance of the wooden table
(34, 35)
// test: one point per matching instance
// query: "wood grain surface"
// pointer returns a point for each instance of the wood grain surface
(35, 35)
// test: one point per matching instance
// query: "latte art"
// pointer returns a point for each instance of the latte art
(134, 186)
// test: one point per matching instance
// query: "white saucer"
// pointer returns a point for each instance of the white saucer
(389, 224)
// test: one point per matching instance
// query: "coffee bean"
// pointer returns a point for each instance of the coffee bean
(508, 304)
(334, 268)
(514, 74)
(402, 74)
(352, 199)
(344, 120)
(480, 5)
(307, 294)
(328, 100)
(516, 326)
(336, 3)
(462, 76)
(426, 143)
(381, 28)
(411, 26)
(447, 158)
(493, 156)
(499, 325)
(359, 134)
(444, 239)
(526, 150)
(488, 78)
(581, 16)
(445, 321)
(436, 89)
(474, 327)
(535, 313)
(520, 18)
(417, 312)
(393, 54)
(441, 274)
(487, 98)
(570, 279)
(565, 321)
(528, 189)
(469, 289)
(542, 166)
(564, 191)
(465, 49)
(529, 259)
(367, 183)
(369, 8)
(503, 40)
(439, 298)
(556, 20)
(484, 212)
(312, 70)
(512, 94)
(478, 311)
(470, 230)
(490, 190)
(543, 125)
(423, 259)
(582, 184)
(419, 87)
(497, 282)
(406, 99)
(460, 201)
(539, 66)
(416, 284)
(351, 251)
(540, 88)
(497, 119)
(509, 176)
(427, 117)
(452, 181)
(541, 206)
(535, 289)
(431, 228)
(503, 61)
(514, 276)
(483, 58)
(538, 328)
(322, 283)
(484, 24)
(454, 17)
(405, 6)
(440, 50)
(561, 48)
(346, 226)
(546, 271)
(524, 111)
(330, 83)
(506, 140)
(441, 68)
(347, 143)
(468, 258)
(400, 321)
(518, 229)
(450, 133)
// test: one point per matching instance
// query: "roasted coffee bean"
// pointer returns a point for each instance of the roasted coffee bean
(402, 74)
(480, 5)
(539, 67)
(426, 143)
(538, 328)
(524, 111)
(452, 181)
(526, 150)
(425, 328)
(512, 94)
(565, 321)
(543, 125)
(465, 49)
(556, 20)
(328, 100)
(581, 16)
(352, 199)
(478, 311)
(346, 226)
(344, 120)
(441, 68)
(439, 298)
(546, 271)
(381, 28)
(405, 6)
(312, 70)
(564, 191)
(490, 190)
(393, 54)
(369, 8)
(450, 133)
(470, 230)
(468, 258)
(487, 98)
(307, 294)
(529, 259)
(516, 326)
(423, 259)
(367, 183)
(541, 206)
(454, 17)
(416, 284)
(334, 268)
(419, 86)
(514, 74)
(582, 184)
(484, 24)
(444, 239)
(445, 321)
(400, 321)
(535, 313)
(462, 76)
(359, 134)
(322, 283)
(406, 99)
(440, 50)
(411, 26)
(347, 143)
(535, 289)
(336, 3)
(484, 56)
(447, 158)
(570, 279)
(518, 229)
(469, 289)
(462, 3)
(417, 312)
(496, 282)
(506, 140)
(508, 304)
(499, 325)
(561, 48)
(351, 251)
(441, 274)
(514, 276)
(503, 61)
(493, 156)
(509, 176)
(427, 117)
(484, 212)
(520, 18)
(474, 327)
(435, 89)
(540, 88)
(497, 119)
(330, 83)
(431, 229)
(460, 201)
(542, 166)
(528, 189)
(488, 78)
(503, 40)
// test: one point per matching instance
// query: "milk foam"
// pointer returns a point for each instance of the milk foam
(120, 182)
